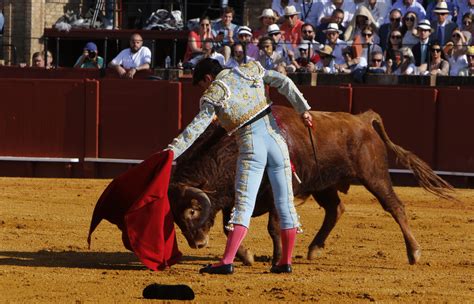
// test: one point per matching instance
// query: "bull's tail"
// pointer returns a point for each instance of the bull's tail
(424, 175)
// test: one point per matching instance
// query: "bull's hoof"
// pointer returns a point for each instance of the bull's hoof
(414, 257)
(315, 252)
(247, 258)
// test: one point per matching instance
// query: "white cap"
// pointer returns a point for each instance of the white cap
(273, 28)
(244, 30)
(424, 24)
(268, 12)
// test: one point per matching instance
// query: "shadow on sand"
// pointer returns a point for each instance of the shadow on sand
(81, 259)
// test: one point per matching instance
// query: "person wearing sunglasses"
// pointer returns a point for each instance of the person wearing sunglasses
(406, 66)
(469, 70)
(362, 18)
(281, 47)
(196, 37)
(405, 6)
(393, 48)
(409, 31)
(307, 59)
(451, 5)
(368, 44)
(467, 27)
(465, 6)
(457, 53)
(391, 25)
(376, 64)
(443, 27)
(291, 27)
(308, 33)
(438, 63)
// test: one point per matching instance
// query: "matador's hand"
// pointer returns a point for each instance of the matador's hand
(307, 119)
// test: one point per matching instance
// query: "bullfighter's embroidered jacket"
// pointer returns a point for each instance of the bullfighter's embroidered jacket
(236, 96)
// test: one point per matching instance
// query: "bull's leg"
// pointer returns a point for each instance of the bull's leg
(333, 208)
(245, 255)
(273, 228)
(381, 187)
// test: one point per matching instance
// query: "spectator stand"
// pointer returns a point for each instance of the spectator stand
(67, 46)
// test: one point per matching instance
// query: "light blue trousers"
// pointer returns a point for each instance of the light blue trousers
(262, 146)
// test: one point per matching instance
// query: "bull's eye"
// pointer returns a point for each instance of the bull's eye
(191, 214)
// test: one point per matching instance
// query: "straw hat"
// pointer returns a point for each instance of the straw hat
(290, 10)
(332, 27)
(268, 12)
(326, 50)
(470, 50)
(441, 8)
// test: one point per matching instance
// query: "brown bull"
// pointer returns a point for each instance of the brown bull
(349, 148)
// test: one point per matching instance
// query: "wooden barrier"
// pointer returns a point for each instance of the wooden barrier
(43, 118)
(454, 143)
(320, 98)
(190, 104)
(42, 73)
(137, 118)
(409, 116)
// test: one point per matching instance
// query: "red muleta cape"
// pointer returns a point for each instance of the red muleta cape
(137, 202)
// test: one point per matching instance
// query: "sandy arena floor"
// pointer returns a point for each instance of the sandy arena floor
(44, 256)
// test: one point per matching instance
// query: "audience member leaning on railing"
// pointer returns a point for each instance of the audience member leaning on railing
(469, 70)
(38, 60)
(438, 63)
(131, 60)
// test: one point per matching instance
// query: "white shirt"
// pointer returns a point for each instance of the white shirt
(348, 7)
(415, 7)
(232, 63)
(215, 55)
(337, 51)
(457, 64)
(129, 60)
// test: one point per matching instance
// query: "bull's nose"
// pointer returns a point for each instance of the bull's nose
(200, 246)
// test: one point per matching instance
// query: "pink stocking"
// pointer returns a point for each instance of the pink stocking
(288, 237)
(234, 238)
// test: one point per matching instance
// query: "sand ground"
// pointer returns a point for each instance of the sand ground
(44, 256)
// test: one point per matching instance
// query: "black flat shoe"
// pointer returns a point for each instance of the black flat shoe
(223, 269)
(285, 268)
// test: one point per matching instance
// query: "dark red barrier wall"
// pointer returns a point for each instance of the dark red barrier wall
(455, 143)
(409, 115)
(43, 118)
(137, 118)
(59, 73)
(190, 105)
(321, 98)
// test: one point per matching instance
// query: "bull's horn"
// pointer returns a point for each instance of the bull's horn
(203, 200)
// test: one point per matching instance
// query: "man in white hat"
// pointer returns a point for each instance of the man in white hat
(421, 49)
(291, 27)
(405, 6)
(443, 27)
(245, 38)
(281, 47)
(431, 15)
(332, 39)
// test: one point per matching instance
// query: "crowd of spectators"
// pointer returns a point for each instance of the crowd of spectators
(406, 37)
(401, 37)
